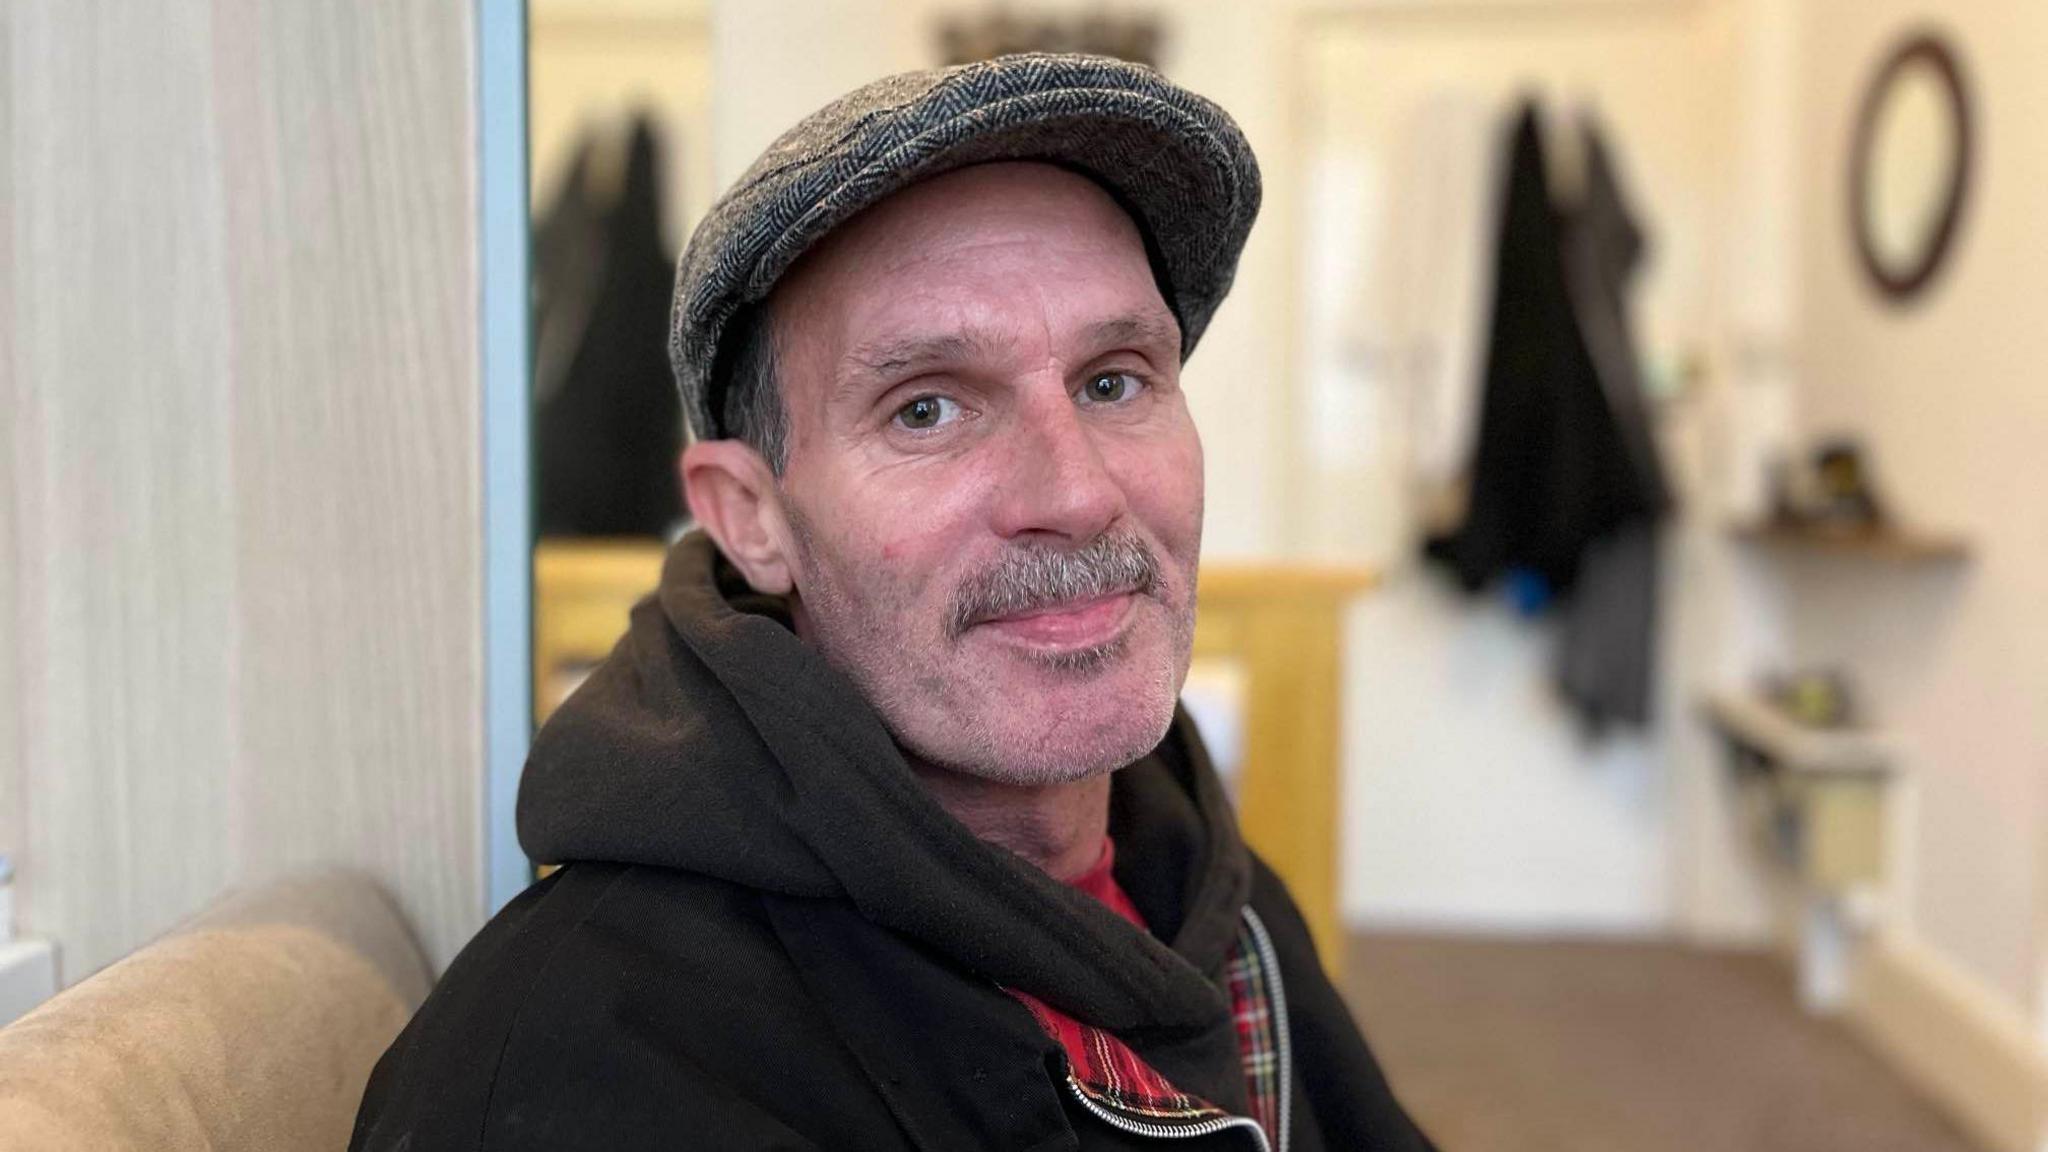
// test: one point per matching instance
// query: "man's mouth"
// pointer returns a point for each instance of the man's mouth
(1070, 625)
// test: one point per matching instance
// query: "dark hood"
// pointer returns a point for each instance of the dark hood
(714, 741)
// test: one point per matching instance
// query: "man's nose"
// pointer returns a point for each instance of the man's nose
(1057, 480)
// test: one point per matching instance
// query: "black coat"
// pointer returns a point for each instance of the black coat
(1564, 453)
(607, 423)
(1567, 482)
(770, 937)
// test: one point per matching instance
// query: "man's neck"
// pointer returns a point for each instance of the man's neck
(1057, 827)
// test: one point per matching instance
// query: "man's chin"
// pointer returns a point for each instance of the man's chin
(1040, 747)
(1039, 714)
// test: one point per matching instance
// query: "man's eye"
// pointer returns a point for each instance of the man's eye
(1110, 387)
(927, 412)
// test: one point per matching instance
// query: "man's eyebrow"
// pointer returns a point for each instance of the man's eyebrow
(907, 355)
(1139, 330)
(901, 356)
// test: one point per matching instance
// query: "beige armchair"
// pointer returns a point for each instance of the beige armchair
(255, 1026)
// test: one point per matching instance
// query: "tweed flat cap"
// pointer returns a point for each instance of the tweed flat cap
(1174, 160)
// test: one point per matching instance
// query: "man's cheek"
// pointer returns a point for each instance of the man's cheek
(909, 540)
(898, 573)
(1168, 498)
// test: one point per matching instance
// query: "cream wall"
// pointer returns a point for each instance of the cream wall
(1948, 393)
(240, 520)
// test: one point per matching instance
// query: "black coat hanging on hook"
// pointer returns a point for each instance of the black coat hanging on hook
(607, 423)
(1566, 483)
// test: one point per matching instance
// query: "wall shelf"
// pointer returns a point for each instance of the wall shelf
(1785, 745)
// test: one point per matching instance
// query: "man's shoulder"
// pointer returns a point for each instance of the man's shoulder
(540, 1003)
(542, 947)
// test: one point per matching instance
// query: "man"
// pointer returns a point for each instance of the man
(881, 829)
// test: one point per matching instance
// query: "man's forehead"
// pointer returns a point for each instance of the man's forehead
(897, 351)
(921, 277)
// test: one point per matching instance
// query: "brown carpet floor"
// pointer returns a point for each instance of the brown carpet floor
(1513, 1046)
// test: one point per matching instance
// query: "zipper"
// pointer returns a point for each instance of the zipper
(1270, 960)
(1166, 1131)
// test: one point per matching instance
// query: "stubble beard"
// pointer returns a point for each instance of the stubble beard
(938, 717)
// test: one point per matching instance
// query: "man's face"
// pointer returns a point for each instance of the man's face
(993, 486)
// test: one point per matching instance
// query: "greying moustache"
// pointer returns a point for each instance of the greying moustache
(1033, 577)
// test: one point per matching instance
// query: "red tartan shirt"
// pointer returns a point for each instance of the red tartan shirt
(1111, 1073)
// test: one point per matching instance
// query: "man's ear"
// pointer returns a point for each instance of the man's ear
(732, 492)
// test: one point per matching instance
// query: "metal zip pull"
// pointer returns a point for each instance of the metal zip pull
(1165, 1131)
(1270, 960)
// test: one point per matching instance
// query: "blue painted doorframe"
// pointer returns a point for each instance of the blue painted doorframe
(503, 239)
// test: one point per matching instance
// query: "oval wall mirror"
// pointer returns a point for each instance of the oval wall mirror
(1909, 167)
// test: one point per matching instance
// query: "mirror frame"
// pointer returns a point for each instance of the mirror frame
(1928, 49)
